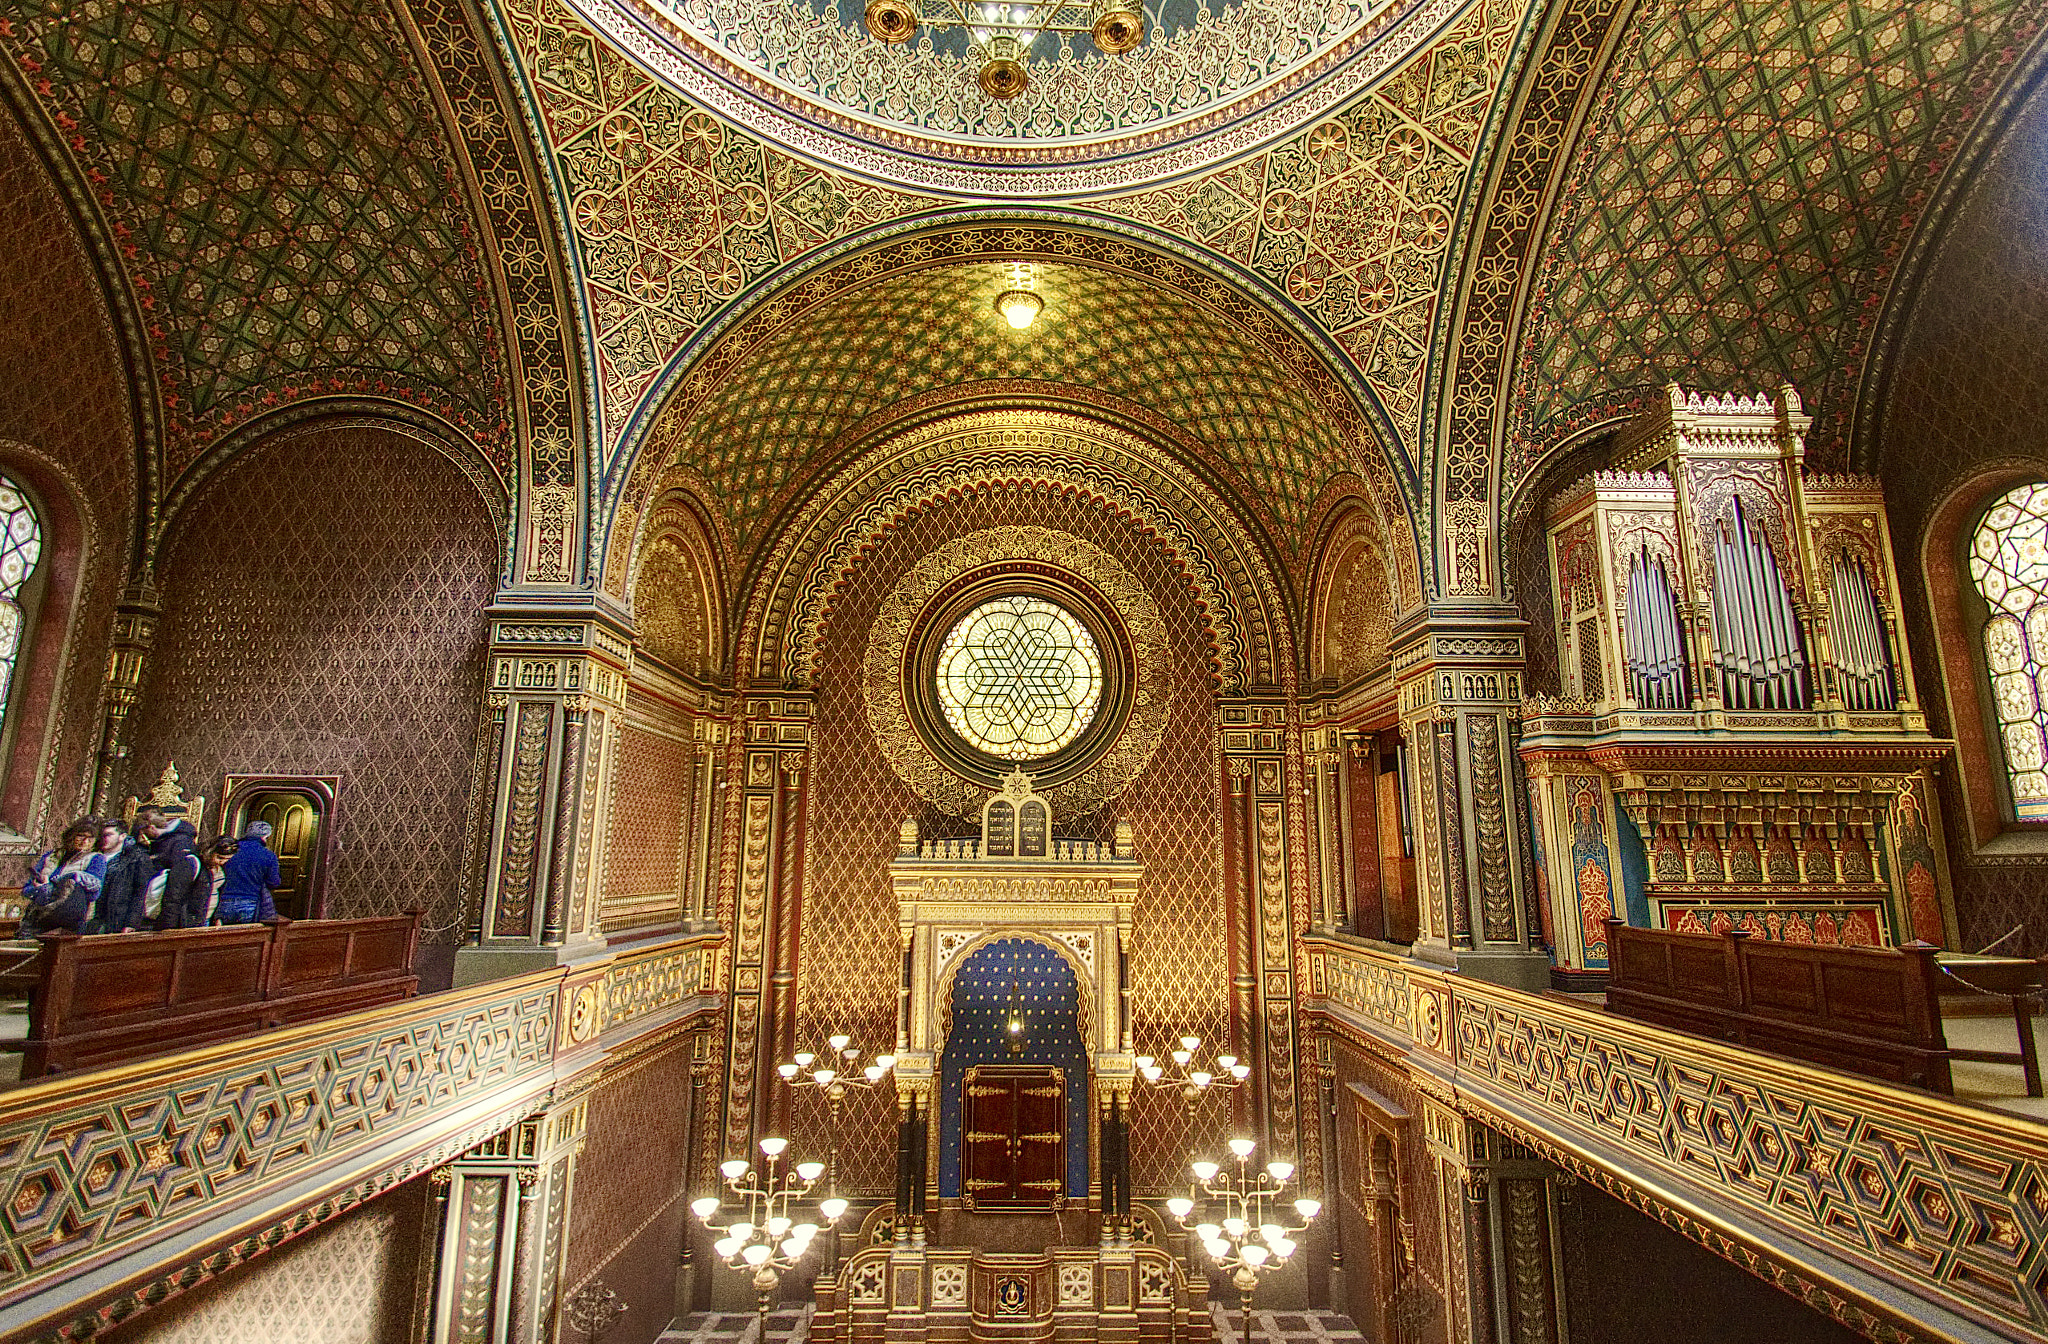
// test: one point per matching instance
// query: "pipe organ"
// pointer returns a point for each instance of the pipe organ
(1737, 741)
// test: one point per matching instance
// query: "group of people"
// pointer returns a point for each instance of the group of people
(108, 877)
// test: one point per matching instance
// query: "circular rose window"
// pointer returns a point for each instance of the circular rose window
(1019, 678)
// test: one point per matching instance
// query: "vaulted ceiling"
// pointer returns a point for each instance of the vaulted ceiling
(549, 225)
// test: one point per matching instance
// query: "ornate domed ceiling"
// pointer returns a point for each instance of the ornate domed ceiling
(1212, 79)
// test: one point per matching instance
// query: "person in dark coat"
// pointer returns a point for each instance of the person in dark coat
(129, 869)
(63, 882)
(252, 874)
(213, 880)
(171, 845)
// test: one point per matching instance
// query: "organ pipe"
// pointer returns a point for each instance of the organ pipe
(1656, 657)
(1863, 661)
(1756, 636)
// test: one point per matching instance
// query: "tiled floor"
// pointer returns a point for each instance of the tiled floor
(1285, 1327)
(786, 1325)
(792, 1325)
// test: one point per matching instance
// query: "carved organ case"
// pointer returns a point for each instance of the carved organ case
(1738, 742)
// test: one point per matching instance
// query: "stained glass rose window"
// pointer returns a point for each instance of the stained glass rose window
(1019, 678)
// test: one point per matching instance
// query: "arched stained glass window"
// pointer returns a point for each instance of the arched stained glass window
(1019, 678)
(21, 545)
(2009, 564)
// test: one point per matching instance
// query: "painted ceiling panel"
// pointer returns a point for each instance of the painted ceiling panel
(283, 197)
(826, 370)
(1745, 194)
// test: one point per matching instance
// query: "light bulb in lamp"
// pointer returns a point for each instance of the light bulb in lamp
(810, 1171)
(1254, 1254)
(1226, 1062)
(1308, 1208)
(774, 1147)
(1143, 1062)
(1190, 1043)
(1200, 1079)
(873, 1073)
(1216, 1247)
(1280, 1171)
(1207, 1232)
(1204, 1171)
(788, 1071)
(840, 1042)
(777, 1226)
(832, 1209)
(1284, 1248)
(734, 1169)
(1019, 307)
(823, 1077)
(726, 1247)
(705, 1207)
(805, 1060)
(886, 1061)
(755, 1254)
(1233, 1227)
(1240, 1071)
(1239, 1148)
(741, 1231)
(1180, 1208)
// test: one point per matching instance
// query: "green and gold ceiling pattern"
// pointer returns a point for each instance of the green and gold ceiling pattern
(281, 195)
(1746, 192)
(826, 370)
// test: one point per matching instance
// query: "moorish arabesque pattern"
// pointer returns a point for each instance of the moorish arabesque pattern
(1743, 196)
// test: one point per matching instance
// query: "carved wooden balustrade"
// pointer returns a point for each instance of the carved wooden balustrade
(1905, 1215)
(124, 1185)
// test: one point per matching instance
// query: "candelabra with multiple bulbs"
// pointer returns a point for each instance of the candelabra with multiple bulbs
(834, 1074)
(766, 1239)
(1250, 1238)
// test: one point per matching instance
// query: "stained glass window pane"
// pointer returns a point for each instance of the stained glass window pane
(21, 545)
(1019, 678)
(2009, 564)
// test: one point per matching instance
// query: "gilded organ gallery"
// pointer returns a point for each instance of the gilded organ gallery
(1023, 671)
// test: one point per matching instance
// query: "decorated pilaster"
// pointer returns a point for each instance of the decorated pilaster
(774, 756)
(557, 688)
(1460, 688)
(1502, 1260)
(1260, 895)
(506, 1203)
(135, 618)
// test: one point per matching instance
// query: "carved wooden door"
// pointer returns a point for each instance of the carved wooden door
(1013, 1149)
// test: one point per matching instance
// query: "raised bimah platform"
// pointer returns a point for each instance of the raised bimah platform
(111, 998)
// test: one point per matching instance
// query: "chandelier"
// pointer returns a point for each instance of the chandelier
(1004, 30)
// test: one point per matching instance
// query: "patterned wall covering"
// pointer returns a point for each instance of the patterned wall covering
(626, 1220)
(1729, 223)
(64, 416)
(644, 849)
(1968, 382)
(283, 197)
(848, 966)
(306, 633)
(350, 1281)
(1354, 1065)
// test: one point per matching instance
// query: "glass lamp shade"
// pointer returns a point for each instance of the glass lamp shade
(810, 1171)
(1153, 1073)
(1204, 1171)
(777, 1226)
(1280, 1171)
(1217, 1248)
(823, 1077)
(1240, 1071)
(804, 1231)
(1254, 1255)
(1308, 1208)
(1283, 1248)
(792, 1248)
(1190, 1043)
(1119, 26)
(840, 1042)
(1143, 1062)
(774, 1147)
(705, 1207)
(832, 1209)
(806, 1059)
(756, 1253)
(890, 21)
(873, 1073)
(1208, 1232)
(740, 1231)
(788, 1071)
(1200, 1079)
(1020, 308)
(1180, 1208)
(725, 1247)
(1272, 1233)
(1233, 1227)
(735, 1169)
(885, 1062)
(1239, 1148)
(1181, 1057)
(1002, 74)
(1226, 1062)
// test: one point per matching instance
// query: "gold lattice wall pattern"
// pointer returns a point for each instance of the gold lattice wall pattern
(643, 860)
(350, 1281)
(323, 614)
(848, 967)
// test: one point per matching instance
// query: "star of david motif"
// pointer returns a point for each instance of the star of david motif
(1019, 678)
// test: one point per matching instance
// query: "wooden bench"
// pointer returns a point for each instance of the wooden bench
(1869, 1011)
(110, 998)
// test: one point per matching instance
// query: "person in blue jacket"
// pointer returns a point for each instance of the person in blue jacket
(63, 882)
(249, 878)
